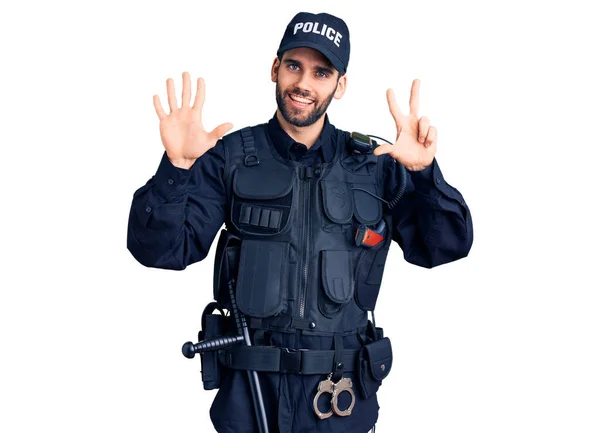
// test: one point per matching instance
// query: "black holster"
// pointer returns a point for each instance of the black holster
(219, 325)
(212, 326)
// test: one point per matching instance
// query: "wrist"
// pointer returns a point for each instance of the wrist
(416, 167)
(423, 179)
(182, 162)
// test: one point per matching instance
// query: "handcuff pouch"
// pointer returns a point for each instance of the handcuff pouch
(374, 364)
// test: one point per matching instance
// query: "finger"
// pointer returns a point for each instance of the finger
(158, 107)
(414, 98)
(423, 128)
(171, 94)
(431, 136)
(220, 131)
(200, 96)
(382, 149)
(186, 92)
(395, 110)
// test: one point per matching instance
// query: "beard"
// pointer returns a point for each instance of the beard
(297, 117)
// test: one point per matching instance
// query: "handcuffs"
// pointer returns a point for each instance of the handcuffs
(335, 389)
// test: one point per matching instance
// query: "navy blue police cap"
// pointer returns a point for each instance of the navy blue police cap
(323, 32)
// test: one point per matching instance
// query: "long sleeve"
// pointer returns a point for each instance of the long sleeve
(176, 215)
(432, 222)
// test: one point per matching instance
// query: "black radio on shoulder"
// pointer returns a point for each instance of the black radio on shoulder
(361, 143)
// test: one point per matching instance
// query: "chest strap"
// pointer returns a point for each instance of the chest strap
(284, 360)
(282, 322)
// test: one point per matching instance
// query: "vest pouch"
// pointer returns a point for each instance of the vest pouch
(262, 279)
(374, 364)
(338, 201)
(337, 282)
(369, 274)
(367, 209)
(226, 266)
(262, 198)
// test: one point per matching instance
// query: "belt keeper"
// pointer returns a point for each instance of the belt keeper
(338, 358)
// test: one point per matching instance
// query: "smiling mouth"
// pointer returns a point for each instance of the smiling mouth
(299, 101)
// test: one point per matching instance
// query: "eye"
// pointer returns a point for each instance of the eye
(293, 67)
(322, 74)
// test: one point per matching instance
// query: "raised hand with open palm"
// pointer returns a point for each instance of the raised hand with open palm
(181, 131)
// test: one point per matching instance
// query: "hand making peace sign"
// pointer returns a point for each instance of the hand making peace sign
(416, 141)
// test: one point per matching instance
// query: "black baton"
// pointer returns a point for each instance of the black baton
(259, 406)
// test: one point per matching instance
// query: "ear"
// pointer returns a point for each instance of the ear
(275, 69)
(341, 87)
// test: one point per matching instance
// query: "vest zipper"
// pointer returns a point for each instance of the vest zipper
(306, 183)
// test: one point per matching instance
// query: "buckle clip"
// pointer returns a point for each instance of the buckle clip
(291, 360)
(251, 160)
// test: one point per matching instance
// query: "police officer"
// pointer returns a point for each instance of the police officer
(314, 210)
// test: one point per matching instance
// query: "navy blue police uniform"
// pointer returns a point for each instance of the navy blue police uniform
(302, 281)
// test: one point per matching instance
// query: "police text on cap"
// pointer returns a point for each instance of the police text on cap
(329, 32)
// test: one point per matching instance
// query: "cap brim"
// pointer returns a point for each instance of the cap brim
(335, 61)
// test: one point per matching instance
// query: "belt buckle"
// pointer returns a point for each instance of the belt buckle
(291, 360)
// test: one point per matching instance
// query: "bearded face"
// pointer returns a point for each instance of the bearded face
(299, 107)
(306, 83)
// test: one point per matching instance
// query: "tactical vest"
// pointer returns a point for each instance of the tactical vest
(299, 265)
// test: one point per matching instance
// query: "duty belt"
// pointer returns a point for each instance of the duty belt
(285, 360)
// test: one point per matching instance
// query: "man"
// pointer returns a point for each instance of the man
(313, 211)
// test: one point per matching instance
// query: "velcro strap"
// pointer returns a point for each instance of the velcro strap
(249, 149)
(284, 360)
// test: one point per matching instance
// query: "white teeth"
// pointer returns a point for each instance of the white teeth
(300, 99)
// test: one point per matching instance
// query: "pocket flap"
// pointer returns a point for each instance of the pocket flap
(338, 201)
(265, 181)
(261, 287)
(336, 276)
(367, 208)
(379, 355)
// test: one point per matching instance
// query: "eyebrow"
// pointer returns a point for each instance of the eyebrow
(316, 68)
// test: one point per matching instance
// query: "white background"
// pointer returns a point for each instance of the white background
(506, 340)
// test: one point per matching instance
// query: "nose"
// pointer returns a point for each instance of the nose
(304, 82)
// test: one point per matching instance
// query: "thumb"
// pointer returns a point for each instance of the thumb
(382, 149)
(220, 130)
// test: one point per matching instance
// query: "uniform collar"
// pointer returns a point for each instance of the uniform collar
(284, 144)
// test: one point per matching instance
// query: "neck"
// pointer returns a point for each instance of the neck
(306, 135)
